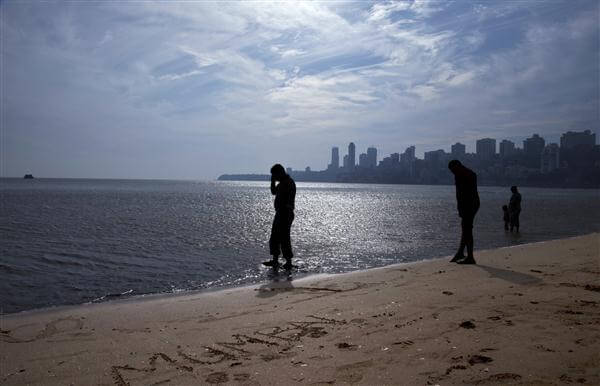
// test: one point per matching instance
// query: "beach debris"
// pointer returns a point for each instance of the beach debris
(476, 359)
(467, 324)
(448, 293)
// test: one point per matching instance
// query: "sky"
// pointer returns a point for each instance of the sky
(194, 89)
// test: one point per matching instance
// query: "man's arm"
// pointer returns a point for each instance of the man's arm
(273, 186)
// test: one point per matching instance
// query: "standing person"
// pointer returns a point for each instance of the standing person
(285, 196)
(514, 208)
(467, 199)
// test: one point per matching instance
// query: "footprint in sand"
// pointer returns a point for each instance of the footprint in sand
(477, 359)
(499, 378)
(353, 372)
(404, 343)
(217, 377)
(455, 367)
(346, 346)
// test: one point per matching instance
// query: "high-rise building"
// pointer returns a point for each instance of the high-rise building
(395, 157)
(572, 139)
(458, 150)
(335, 158)
(363, 160)
(435, 158)
(346, 161)
(408, 155)
(372, 157)
(486, 148)
(534, 146)
(351, 156)
(407, 160)
(507, 148)
(550, 158)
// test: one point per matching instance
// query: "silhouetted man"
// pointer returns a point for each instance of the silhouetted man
(285, 196)
(467, 200)
(514, 208)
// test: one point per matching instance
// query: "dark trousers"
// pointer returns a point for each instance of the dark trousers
(514, 219)
(466, 237)
(280, 241)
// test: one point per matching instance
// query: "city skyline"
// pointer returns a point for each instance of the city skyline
(191, 90)
(462, 148)
(572, 163)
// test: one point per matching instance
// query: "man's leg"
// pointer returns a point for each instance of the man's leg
(274, 242)
(286, 241)
(517, 220)
(467, 231)
(460, 254)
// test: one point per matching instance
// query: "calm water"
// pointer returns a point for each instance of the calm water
(75, 241)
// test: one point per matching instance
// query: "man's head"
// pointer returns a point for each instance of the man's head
(278, 172)
(513, 189)
(454, 165)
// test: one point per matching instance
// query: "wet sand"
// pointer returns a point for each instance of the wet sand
(525, 315)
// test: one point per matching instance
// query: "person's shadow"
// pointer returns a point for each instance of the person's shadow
(280, 281)
(510, 276)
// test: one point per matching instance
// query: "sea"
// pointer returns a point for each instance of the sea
(74, 241)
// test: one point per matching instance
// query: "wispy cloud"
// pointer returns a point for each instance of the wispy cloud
(195, 83)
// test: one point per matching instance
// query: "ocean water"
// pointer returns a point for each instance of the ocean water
(74, 241)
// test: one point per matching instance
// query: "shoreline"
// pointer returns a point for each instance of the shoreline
(525, 314)
(217, 180)
(167, 295)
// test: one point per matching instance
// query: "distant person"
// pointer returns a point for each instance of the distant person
(285, 196)
(506, 216)
(467, 199)
(514, 208)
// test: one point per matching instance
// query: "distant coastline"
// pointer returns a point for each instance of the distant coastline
(557, 180)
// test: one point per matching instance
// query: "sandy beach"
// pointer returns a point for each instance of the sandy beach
(528, 314)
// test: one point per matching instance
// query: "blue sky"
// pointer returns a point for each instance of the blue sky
(191, 90)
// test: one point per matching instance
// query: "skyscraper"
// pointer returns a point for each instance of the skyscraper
(486, 148)
(363, 161)
(534, 146)
(335, 158)
(550, 158)
(371, 157)
(351, 156)
(507, 148)
(407, 160)
(458, 150)
(572, 139)
(409, 154)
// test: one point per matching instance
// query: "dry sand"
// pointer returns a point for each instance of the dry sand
(525, 315)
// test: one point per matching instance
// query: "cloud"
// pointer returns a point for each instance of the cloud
(284, 80)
